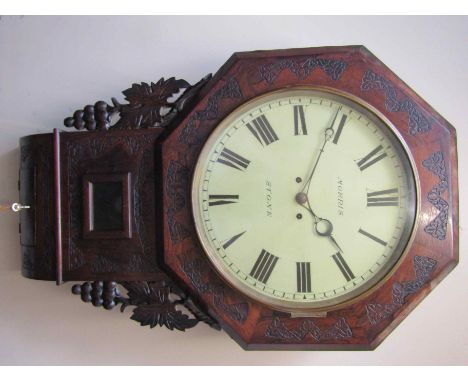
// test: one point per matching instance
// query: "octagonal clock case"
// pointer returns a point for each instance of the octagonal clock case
(297, 199)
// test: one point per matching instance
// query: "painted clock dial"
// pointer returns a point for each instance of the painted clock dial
(304, 199)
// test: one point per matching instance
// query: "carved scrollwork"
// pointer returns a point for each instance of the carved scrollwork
(231, 89)
(278, 330)
(176, 187)
(148, 106)
(154, 301)
(417, 123)
(423, 268)
(437, 228)
(236, 311)
(332, 68)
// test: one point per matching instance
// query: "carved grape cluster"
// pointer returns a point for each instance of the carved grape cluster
(95, 117)
(99, 293)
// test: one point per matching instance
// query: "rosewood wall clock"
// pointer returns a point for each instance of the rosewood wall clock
(297, 199)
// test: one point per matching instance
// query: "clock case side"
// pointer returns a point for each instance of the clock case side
(353, 70)
(36, 190)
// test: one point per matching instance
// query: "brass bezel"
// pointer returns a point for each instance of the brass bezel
(304, 308)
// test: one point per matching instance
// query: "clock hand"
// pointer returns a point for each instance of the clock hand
(328, 134)
(303, 200)
(323, 227)
(335, 243)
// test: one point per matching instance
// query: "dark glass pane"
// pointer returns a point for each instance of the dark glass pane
(107, 206)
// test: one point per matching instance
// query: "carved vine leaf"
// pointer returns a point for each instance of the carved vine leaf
(140, 293)
(154, 307)
(156, 93)
(162, 315)
(184, 100)
(146, 103)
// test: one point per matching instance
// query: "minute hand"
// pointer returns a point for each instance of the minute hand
(328, 134)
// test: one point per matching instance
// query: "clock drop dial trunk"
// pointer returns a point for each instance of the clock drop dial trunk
(298, 199)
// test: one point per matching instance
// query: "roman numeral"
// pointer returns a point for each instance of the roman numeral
(383, 198)
(262, 130)
(372, 237)
(231, 159)
(232, 240)
(263, 267)
(303, 277)
(371, 158)
(340, 128)
(217, 200)
(344, 268)
(299, 119)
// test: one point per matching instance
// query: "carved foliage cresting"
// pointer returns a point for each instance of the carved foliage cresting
(149, 105)
(278, 330)
(423, 268)
(417, 123)
(154, 301)
(333, 68)
(437, 228)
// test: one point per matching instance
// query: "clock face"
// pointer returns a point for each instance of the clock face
(304, 199)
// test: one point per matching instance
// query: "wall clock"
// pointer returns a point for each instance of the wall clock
(297, 199)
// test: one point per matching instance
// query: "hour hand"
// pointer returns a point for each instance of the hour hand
(324, 227)
(335, 243)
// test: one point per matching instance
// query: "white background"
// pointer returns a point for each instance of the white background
(50, 66)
